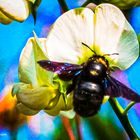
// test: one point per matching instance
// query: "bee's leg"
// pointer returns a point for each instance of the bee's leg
(72, 86)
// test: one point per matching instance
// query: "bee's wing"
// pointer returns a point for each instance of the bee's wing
(66, 71)
(114, 88)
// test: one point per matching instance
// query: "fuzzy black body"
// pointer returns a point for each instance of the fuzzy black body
(90, 90)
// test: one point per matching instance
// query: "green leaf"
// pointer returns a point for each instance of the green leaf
(124, 4)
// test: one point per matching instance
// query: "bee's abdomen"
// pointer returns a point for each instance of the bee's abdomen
(87, 98)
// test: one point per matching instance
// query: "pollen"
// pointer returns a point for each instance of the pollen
(100, 60)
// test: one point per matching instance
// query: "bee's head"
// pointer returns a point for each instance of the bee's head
(96, 68)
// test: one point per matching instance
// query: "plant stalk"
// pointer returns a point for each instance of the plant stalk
(129, 107)
(68, 127)
(63, 5)
(77, 121)
(123, 117)
(89, 1)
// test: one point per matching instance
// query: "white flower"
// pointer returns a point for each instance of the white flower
(105, 30)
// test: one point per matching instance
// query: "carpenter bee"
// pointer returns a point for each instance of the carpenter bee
(91, 82)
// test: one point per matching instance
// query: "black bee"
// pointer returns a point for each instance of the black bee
(91, 82)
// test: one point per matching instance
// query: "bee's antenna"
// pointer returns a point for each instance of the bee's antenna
(111, 54)
(88, 47)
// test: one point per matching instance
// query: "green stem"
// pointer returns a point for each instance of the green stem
(89, 1)
(129, 107)
(123, 119)
(63, 5)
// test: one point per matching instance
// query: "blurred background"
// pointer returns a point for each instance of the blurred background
(14, 126)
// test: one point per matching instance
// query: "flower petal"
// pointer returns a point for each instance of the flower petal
(37, 98)
(25, 110)
(61, 106)
(64, 42)
(29, 71)
(4, 19)
(113, 34)
(15, 9)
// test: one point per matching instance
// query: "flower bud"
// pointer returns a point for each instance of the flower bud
(17, 10)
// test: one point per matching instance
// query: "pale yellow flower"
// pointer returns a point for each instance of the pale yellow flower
(37, 90)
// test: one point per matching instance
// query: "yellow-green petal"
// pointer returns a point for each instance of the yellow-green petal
(61, 106)
(37, 98)
(63, 86)
(16, 87)
(29, 70)
(26, 110)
